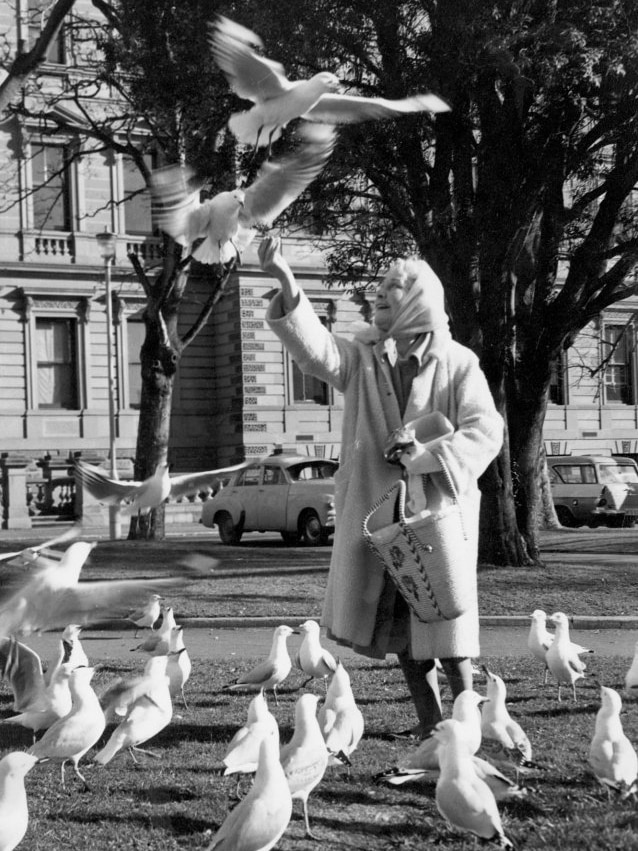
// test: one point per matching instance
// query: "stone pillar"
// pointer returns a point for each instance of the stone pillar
(14, 491)
(93, 514)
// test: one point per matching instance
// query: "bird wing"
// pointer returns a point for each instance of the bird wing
(189, 483)
(22, 668)
(249, 75)
(280, 182)
(259, 674)
(88, 602)
(352, 109)
(328, 660)
(175, 203)
(30, 553)
(103, 487)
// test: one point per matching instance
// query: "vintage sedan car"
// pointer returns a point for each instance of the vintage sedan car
(290, 494)
(594, 490)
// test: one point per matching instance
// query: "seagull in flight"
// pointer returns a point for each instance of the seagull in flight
(153, 491)
(51, 595)
(278, 100)
(227, 222)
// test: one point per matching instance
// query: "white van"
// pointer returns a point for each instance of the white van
(597, 490)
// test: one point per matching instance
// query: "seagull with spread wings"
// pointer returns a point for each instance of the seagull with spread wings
(153, 491)
(228, 222)
(51, 595)
(278, 100)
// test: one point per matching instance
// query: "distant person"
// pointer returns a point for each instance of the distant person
(404, 366)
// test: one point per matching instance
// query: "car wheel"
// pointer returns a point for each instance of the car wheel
(228, 532)
(565, 517)
(290, 538)
(311, 531)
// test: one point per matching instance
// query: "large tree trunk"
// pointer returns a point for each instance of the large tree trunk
(159, 365)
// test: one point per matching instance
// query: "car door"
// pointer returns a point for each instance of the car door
(248, 493)
(273, 493)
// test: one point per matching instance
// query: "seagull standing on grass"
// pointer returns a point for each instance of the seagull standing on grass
(53, 703)
(14, 813)
(340, 719)
(242, 754)
(464, 800)
(278, 100)
(146, 716)
(121, 695)
(540, 640)
(227, 222)
(611, 755)
(145, 617)
(631, 677)
(504, 740)
(178, 665)
(158, 642)
(313, 659)
(153, 491)
(305, 757)
(424, 761)
(72, 736)
(261, 817)
(273, 671)
(71, 652)
(562, 659)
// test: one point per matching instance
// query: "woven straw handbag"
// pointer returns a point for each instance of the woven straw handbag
(425, 557)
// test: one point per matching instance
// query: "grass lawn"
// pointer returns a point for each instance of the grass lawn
(177, 800)
(173, 802)
(271, 579)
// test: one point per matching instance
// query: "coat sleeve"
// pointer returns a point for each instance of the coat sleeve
(314, 349)
(478, 436)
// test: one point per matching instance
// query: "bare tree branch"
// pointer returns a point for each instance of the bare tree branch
(24, 64)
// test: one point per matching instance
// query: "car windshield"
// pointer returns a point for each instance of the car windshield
(617, 473)
(307, 470)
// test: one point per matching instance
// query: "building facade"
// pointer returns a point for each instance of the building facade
(237, 393)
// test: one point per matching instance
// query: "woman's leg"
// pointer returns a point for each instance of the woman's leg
(423, 685)
(459, 674)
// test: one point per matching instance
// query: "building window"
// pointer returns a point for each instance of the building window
(38, 12)
(135, 333)
(56, 349)
(557, 382)
(618, 353)
(137, 199)
(307, 388)
(51, 188)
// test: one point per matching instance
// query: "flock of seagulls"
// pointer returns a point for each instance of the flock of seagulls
(476, 760)
(219, 229)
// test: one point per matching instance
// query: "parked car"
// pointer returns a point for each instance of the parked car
(594, 490)
(290, 494)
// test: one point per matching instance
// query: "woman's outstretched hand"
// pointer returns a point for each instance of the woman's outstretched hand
(271, 259)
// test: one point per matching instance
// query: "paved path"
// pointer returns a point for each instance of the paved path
(254, 642)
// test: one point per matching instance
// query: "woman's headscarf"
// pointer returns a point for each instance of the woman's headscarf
(422, 308)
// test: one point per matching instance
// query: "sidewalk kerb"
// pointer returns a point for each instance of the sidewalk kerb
(577, 622)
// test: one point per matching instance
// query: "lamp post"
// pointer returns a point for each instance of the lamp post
(106, 244)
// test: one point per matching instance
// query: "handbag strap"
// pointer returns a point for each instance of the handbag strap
(452, 487)
(400, 485)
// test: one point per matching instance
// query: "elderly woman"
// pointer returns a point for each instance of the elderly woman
(400, 369)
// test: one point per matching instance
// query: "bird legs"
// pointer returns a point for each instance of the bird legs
(141, 750)
(87, 788)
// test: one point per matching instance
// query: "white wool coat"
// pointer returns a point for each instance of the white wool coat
(359, 602)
